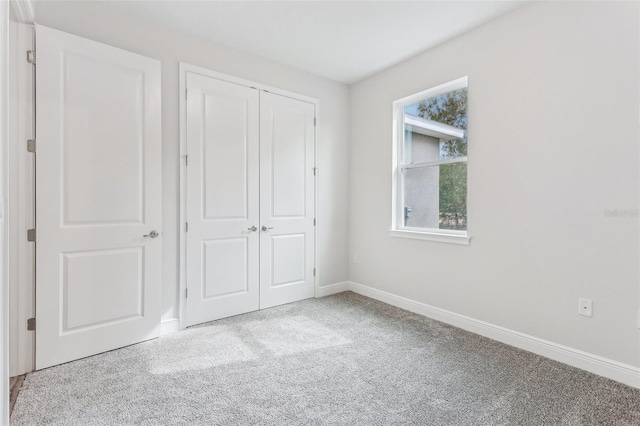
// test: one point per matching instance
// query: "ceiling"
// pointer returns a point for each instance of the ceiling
(344, 41)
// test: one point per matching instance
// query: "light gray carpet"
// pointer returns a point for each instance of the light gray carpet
(340, 360)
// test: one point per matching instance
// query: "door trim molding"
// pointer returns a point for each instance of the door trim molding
(4, 284)
(182, 265)
(23, 10)
(168, 326)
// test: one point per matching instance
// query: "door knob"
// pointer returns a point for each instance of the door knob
(152, 234)
(253, 228)
(266, 228)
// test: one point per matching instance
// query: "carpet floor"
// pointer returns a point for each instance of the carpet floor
(340, 360)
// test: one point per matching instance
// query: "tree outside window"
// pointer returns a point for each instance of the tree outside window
(433, 160)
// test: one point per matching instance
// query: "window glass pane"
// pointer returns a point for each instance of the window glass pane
(436, 128)
(419, 147)
(436, 197)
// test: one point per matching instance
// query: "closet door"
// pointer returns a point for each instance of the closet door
(98, 198)
(287, 193)
(222, 199)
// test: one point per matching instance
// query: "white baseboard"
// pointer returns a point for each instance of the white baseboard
(330, 289)
(168, 326)
(608, 368)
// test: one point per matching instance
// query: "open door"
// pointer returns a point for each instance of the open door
(98, 198)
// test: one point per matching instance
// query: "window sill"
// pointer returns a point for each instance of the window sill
(431, 236)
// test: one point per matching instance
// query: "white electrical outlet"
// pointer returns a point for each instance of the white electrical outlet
(355, 258)
(585, 307)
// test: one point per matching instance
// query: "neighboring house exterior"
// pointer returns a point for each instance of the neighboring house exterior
(422, 185)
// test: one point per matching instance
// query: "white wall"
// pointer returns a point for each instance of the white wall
(553, 142)
(95, 21)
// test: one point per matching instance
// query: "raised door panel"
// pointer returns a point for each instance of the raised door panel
(288, 259)
(224, 162)
(98, 157)
(288, 165)
(101, 287)
(225, 268)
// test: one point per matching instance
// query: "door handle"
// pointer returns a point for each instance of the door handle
(152, 234)
(266, 228)
(253, 228)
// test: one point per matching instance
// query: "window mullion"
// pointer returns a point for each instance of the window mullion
(433, 163)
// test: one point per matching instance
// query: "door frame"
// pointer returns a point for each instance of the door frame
(21, 200)
(182, 266)
(4, 281)
(21, 190)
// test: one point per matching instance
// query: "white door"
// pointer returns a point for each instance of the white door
(98, 198)
(250, 199)
(222, 199)
(287, 194)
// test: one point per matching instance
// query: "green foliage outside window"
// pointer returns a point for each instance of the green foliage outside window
(451, 109)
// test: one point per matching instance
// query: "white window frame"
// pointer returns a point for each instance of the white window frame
(397, 223)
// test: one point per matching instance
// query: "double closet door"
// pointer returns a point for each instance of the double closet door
(250, 199)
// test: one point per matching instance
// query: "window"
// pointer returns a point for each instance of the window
(430, 164)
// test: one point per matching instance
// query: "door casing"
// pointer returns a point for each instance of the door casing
(188, 68)
(21, 198)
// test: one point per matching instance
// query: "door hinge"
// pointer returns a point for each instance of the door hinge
(186, 293)
(314, 221)
(31, 324)
(31, 145)
(314, 121)
(186, 227)
(31, 235)
(314, 272)
(31, 57)
(186, 93)
(315, 169)
(186, 159)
